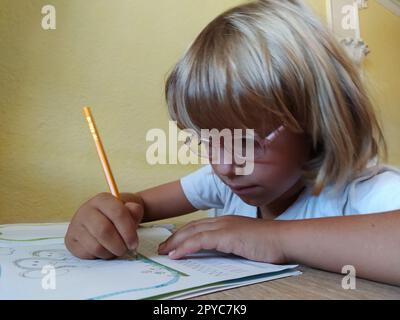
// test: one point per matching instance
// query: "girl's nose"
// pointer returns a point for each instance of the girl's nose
(227, 170)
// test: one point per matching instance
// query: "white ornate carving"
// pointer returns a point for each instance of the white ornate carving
(343, 18)
(362, 4)
(356, 49)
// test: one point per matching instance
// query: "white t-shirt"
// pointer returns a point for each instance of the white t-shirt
(376, 190)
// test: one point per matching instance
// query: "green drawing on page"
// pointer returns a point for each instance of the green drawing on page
(7, 235)
(27, 240)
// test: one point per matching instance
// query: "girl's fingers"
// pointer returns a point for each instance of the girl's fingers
(104, 232)
(92, 246)
(125, 218)
(74, 246)
(208, 240)
(196, 222)
(136, 211)
(186, 232)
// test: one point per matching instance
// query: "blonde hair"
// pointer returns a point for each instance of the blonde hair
(272, 62)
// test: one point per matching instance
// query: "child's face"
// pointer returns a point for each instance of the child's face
(275, 176)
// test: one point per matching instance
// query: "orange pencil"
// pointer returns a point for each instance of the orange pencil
(103, 159)
(100, 151)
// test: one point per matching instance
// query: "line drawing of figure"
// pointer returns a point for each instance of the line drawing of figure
(6, 251)
(58, 258)
(63, 262)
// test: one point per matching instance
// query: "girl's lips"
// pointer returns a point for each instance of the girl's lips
(242, 189)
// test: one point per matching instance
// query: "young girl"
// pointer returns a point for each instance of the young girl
(273, 67)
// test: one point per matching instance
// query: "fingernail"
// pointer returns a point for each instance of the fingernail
(133, 246)
(171, 253)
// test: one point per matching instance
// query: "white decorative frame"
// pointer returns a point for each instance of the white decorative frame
(343, 19)
(392, 5)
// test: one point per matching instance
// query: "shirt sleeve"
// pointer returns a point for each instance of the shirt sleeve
(202, 189)
(377, 193)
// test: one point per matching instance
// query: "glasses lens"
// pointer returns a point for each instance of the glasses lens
(224, 149)
(248, 148)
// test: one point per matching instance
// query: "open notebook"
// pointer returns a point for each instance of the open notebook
(34, 264)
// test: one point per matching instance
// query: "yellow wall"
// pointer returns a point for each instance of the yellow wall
(113, 56)
(380, 28)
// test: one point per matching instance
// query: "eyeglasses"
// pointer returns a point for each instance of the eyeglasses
(248, 147)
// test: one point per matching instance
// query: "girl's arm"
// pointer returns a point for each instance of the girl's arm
(161, 202)
(370, 243)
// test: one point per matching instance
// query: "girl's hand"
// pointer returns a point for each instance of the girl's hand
(254, 239)
(104, 227)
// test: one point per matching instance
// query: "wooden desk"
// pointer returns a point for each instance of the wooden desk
(312, 284)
